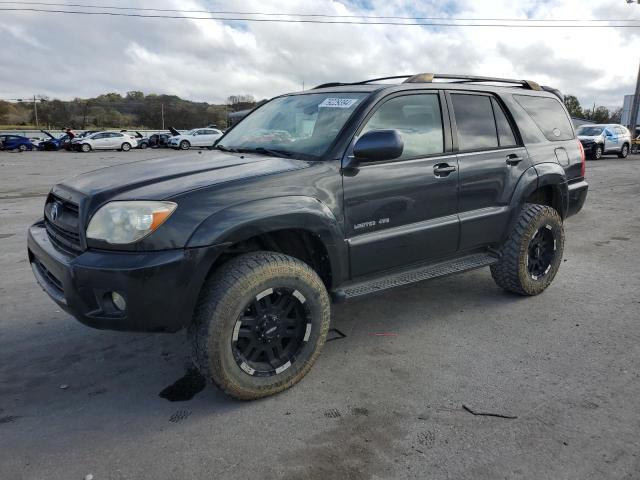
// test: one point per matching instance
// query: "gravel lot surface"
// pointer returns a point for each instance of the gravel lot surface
(76, 401)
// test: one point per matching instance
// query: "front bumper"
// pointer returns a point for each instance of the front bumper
(577, 196)
(160, 288)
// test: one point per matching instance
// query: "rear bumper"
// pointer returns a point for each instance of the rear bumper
(577, 196)
(160, 288)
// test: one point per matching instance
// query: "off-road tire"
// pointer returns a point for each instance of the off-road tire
(624, 152)
(223, 299)
(511, 272)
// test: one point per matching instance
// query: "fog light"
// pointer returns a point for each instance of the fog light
(119, 301)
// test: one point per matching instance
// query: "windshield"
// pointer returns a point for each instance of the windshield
(191, 132)
(303, 125)
(590, 131)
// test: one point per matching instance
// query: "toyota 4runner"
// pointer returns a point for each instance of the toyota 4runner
(325, 195)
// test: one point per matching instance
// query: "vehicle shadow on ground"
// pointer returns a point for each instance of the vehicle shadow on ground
(72, 366)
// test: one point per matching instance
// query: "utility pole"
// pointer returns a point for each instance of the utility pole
(633, 119)
(162, 113)
(35, 109)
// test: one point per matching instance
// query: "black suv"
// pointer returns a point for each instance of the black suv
(318, 196)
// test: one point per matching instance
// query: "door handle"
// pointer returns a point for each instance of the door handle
(514, 159)
(443, 169)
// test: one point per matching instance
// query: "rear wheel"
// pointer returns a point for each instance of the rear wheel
(531, 256)
(85, 147)
(624, 152)
(22, 148)
(125, 147)
(260, 324)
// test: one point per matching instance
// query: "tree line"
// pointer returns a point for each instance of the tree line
(112, 110)
(598, 114)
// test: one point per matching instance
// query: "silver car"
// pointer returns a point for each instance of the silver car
(606, 138)
(105, 141)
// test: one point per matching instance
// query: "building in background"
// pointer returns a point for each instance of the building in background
(626, 111)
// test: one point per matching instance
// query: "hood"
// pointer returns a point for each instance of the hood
(173, 131)
(162, 178)
(587, 138)
(51, 137)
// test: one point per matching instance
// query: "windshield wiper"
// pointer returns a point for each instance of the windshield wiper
(226, 149)
(268, 151)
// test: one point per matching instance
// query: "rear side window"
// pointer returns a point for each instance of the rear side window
(506, 138)
(475, 122)
(417, 118)
(549, 115)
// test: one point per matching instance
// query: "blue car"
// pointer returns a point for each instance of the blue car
(15, 142)
(53, 143)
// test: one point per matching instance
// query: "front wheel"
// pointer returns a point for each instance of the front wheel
(597, 152)
(85, 147)
(531, 256)
(260, 324)
(624, 152)
(184, 145)
(22, 148)
(144, 146)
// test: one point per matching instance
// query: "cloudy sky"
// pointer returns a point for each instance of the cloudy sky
(66, 56)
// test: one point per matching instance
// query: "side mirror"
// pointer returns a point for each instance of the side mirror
(378, 145)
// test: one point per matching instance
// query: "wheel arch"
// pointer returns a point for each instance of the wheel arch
(299, 226)
(546, 182)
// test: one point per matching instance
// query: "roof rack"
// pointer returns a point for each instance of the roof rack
(429, 77)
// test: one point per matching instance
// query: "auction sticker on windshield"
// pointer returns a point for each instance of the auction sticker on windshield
(338, 102)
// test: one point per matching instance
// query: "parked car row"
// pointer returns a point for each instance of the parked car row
(111, 140)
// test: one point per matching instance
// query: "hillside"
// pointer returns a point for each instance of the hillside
(112, 110)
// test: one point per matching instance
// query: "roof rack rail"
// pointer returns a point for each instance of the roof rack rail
(429, 77)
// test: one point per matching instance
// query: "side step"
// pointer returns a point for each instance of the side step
(405, 277)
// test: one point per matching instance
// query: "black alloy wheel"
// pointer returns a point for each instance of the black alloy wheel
(271, 332)
(541, 252)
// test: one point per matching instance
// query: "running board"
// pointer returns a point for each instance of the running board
(405, 277)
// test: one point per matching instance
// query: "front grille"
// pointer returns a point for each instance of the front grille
(63, 226)
(51, 279)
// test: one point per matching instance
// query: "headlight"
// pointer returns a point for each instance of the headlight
(128, 222)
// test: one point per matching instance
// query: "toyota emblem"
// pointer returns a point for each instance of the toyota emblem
(55, 211)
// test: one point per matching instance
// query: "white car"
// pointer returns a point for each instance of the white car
(105, 141)
(198, 137)
(606, 138)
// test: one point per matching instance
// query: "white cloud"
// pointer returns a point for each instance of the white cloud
(67, 56)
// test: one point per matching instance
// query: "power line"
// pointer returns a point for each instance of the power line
(308, 21)
(319, 15)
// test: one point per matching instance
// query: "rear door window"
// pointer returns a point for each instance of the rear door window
(474, 119)
(549, 115)
(506, 138)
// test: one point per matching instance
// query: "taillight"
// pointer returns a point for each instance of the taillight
(583, 158)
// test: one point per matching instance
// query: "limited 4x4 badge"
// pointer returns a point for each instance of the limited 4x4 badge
(370, 224)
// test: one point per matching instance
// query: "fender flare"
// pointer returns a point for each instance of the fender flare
(535, 177)
(243, 221)
(552, 174)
